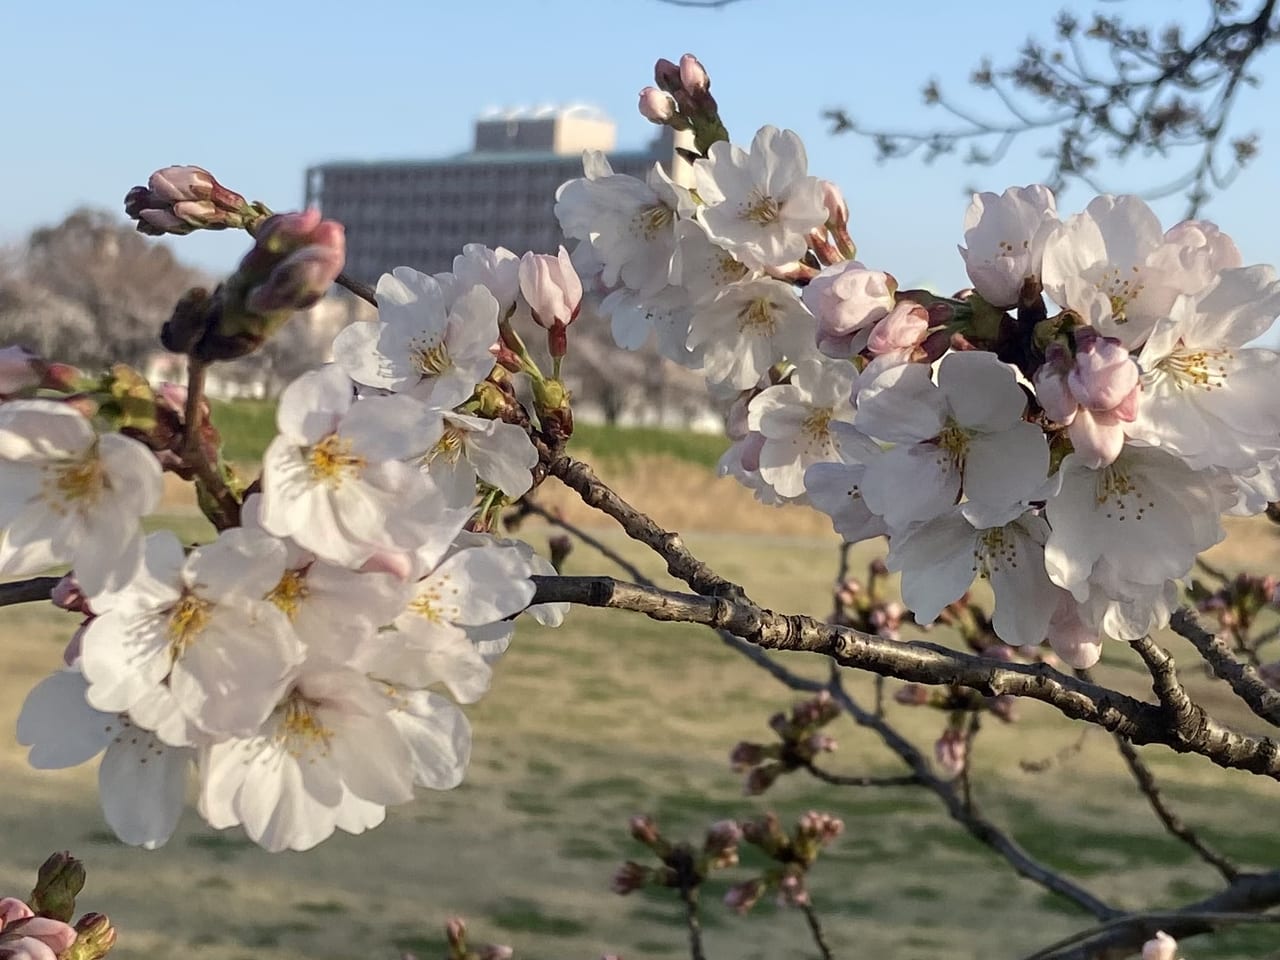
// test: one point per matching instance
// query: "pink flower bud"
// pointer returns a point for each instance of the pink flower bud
(833, 200)
(666, 75)
(657, 106)
(911, 695)
(1104, 374)
(644, 829)
(1070, 637)
(847, 299)
(693, 76)
(66, 595)
(12, 910)
(551, 287)
(741, 897)
(900, 332)
(180, 199)
(630, 877)
(1160, 947)
(792, 891)
(19, 370)
(761, 779)
(745, 755)
(455, 931)
(821, 743)
(951, 750)
(35, 938)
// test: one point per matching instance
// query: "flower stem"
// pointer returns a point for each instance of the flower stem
(815, 928)
(690, 897)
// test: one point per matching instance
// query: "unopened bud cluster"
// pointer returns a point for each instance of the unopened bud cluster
(40, 928)
(800, 740)
(455, 932)
(180, 199)
(682, 100)
(680, 865)
(793, 853)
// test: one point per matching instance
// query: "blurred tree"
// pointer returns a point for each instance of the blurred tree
(1106, 89)
(89, 289)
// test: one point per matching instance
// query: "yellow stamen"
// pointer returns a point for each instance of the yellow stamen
(186, 622)
(332, 461)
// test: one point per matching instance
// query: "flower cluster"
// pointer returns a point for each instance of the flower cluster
(298, 661)
(1070, 429)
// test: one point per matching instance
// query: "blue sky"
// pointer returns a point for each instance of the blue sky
(98, 94)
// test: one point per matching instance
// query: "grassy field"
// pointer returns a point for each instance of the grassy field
(613, 715)
(247, 426)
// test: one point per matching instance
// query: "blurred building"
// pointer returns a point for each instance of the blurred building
(501, 193)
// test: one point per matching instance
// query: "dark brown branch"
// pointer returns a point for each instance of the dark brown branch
(1186, 728)
(1241, 677)
(606, 551)
(689, 895)
(359, 288)
(27, 591)
(843, 780)
(681, 564)
(1172, 822)
(219, 502)
(815, 928)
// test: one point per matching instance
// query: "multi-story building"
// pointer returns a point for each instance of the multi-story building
(501, 193)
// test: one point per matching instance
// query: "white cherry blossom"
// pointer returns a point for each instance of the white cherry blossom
(835, 487)
(1113, 265)
(1006, 235)
(760, 204)
(964, 435)
(1207, 396)
(630, 223)
(334, 479)
(328, 756)
(69, 495)
(796, 420)
(142, 781)
(497, 270)
(747, 329)
(473, 448)
(189, 646)
(423, 343)
(1138, 522)
(940, 558)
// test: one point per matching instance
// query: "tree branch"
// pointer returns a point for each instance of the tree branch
(1242, 678)
(359, 288)
(1172, 822)
(815, 928)
(843, 780)
(681, 564)
(1186, 729)
(27, 591)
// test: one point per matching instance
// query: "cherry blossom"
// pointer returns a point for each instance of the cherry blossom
(747, 329)
(142, 781)
(963, 435)
(1006, 236)
(422, 343)
(70, 495)
(760, 204)
(796, 421)
(1207, 396)
(335, 480)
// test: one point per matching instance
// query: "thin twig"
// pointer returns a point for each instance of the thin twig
(845, 780)
(815, 928)
(690, 897)
(360, 289)
(1172, 822)
(1242, 678)
(681, 564)
(27, 591)
(606, 551)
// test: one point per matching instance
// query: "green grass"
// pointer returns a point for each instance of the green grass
(247, 426)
